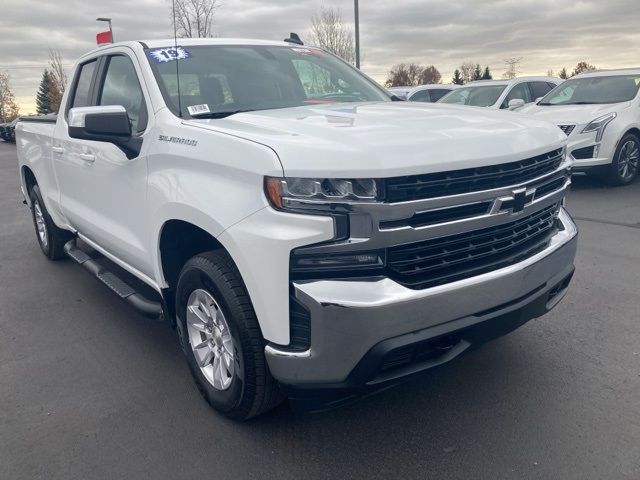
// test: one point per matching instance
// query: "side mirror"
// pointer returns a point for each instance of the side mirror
(515, 103)
(109, 123)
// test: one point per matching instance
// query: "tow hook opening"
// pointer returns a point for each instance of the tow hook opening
(426, 351)
(557, 292)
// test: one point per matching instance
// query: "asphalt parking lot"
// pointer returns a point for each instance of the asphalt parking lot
(88, 389)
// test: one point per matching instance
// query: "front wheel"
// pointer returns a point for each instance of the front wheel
(624, 167)
(221, 338)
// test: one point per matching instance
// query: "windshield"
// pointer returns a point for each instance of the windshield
(218, 80)
(588, 90)
(476, 96)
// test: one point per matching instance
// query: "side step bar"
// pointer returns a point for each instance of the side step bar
(144, 306)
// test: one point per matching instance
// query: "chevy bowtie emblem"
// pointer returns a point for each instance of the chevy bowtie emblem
(516, 203)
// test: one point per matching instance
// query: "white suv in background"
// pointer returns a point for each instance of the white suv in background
(600, 113)
(502, 94)
(429, 93)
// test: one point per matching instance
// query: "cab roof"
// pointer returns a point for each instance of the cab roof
(167, 42)
(190, 42)
(607, 73)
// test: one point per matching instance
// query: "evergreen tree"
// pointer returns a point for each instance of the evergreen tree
(487, 74)
(477, 73)
(457, 78)
(43, 97)
(563, 74)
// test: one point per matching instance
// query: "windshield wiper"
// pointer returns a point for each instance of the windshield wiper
(569, 103)
(219, 114)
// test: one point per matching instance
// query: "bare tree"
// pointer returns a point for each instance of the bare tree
(194, 18)
(8, 107)
(582, 67)
(58, 78)
(430, 75)
(550, 73)
(404, 75)
(329, 32)
(512, 67)
(466, 71)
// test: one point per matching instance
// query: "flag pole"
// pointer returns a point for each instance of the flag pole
(356, 9)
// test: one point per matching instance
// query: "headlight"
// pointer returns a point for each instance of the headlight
(318, 193)
(599, 124)
(303, 264)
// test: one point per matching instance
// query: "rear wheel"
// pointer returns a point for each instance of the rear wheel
(221, 339)
(50, 238)
(624, 168)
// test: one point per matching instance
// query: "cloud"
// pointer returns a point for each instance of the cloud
(545, 33)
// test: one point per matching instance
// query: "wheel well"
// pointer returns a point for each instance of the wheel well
(179, 241)
(634, 131)
(29, 179)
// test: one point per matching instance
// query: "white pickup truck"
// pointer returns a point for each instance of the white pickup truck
(308, 237)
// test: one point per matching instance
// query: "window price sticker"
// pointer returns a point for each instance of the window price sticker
(198, 109)
(168, 54)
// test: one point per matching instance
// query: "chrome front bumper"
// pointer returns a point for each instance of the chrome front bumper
(350, 317)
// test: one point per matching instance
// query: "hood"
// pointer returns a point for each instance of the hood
(389, 138)
(571, 114)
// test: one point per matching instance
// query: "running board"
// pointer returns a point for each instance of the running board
(144, 306)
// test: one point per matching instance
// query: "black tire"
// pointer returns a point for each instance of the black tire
(55, 238)
(614, 174)
(253, 390)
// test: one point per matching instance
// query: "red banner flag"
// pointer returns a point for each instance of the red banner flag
(104, 37)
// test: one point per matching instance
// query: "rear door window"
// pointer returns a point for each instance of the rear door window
(420, 96)
(437, 93)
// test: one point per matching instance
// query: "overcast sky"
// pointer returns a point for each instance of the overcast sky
(547, 34)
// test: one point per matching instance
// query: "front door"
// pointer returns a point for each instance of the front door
(102, 192)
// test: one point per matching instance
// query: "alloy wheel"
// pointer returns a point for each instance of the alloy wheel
(210, 339)
(628, 160)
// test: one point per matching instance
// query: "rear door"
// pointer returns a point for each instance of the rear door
(103, 193)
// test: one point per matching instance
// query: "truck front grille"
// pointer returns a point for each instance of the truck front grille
(431, 185)
(447, 259)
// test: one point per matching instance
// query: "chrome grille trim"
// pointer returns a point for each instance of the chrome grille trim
(433, 185)
(366, 218)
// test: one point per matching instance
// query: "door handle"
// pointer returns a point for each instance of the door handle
(58, 150)
(88, 157)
